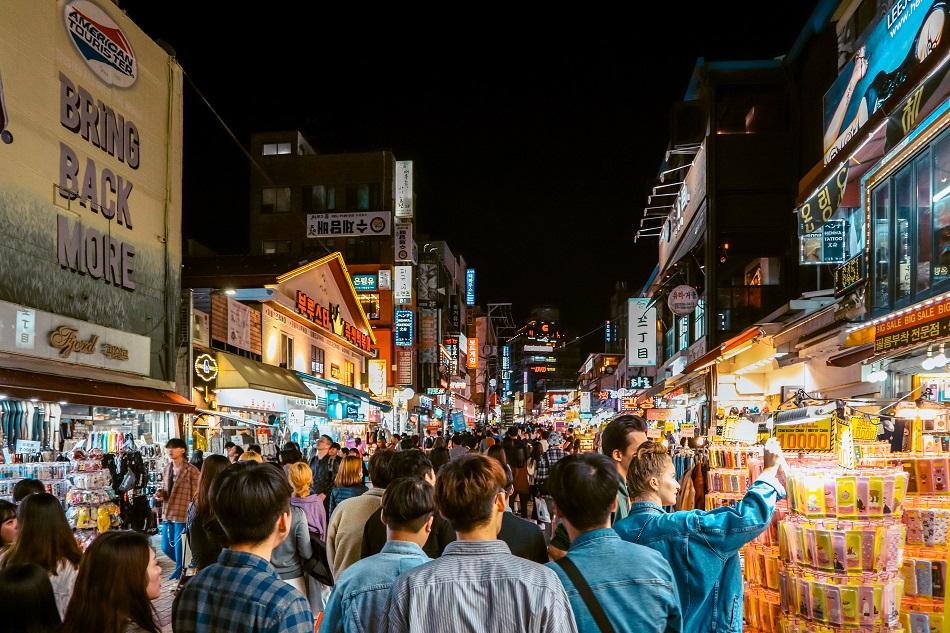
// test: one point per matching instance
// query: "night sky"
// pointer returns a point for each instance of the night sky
(535, 137)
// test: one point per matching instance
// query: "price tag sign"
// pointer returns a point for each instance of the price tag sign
(669, 426)
(814, 437)
(687, 430)
(653, 434)
(864, 429)
(740, 430)
(27, 446)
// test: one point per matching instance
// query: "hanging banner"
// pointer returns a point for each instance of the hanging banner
(427, 285)
(402, 291)
(348, 224)
(849, 275)
(472, 354)
(814, 437)
(641, 339)
(404, 366)
(239, 325)
(585, 402)
(403, 188)
(377, 376)
(919, 326)
(405, 247)
(470, 287)
(428, 336)
(402, 325)
(819, 208)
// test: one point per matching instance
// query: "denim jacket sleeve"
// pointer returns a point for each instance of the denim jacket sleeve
(728, 528)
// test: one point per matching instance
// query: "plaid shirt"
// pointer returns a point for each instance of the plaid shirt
(184, 491)
(241, 593)
(552, 456)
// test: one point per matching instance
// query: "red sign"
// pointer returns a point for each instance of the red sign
(924, 314)
(472, 353)
(329, 319)
(404, 366)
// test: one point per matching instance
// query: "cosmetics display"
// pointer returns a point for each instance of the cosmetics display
(52, 474)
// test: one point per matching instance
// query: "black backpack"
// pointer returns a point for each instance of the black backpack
(319, 566)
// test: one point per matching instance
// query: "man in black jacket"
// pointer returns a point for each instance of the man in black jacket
(322, 468)
(517, 453)
(408, 463)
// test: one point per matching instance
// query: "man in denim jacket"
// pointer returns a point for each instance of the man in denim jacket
(633, 584)
(359, 598)
(702, 547)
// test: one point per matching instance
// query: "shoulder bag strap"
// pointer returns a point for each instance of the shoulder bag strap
(587, 594)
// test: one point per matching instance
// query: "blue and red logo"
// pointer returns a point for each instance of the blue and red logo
(101, 43)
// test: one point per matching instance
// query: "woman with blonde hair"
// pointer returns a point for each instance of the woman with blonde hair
(251, 456)
(348, 483)
(301, 477)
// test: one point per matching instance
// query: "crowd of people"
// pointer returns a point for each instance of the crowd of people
(478, 532)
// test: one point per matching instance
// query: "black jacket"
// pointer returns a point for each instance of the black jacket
(374, 536)
(524, 538)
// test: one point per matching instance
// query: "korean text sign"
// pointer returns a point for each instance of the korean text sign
(641, 339)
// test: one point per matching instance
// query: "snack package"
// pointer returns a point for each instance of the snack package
(847, 493)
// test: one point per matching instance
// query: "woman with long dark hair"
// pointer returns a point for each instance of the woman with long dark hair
(118, 579)
(26, 600)
(8, 524)
(205, 535)
(497, 451)
(45, 539)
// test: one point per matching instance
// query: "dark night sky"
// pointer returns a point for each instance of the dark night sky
(534, 143)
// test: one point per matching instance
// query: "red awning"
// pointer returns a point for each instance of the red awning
(24, 385)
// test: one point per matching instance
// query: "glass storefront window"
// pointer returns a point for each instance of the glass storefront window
(911, 228)
(699, 320)
(684, 332)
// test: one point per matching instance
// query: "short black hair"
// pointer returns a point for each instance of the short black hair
(247, 499)
(584, 486)
(379, 464)
(176, 442)
(335, 445)
(410, 463)
(407, 504)
(256, 448)
(240, 451)
(228, 445)
(616, 435)
(25, 487)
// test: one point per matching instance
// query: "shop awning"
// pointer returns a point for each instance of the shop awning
(233, 418)
(731, 347)
(51, 388)
(851, 356)
(236, 372)
(344, 389)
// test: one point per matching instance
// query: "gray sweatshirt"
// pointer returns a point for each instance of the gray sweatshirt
(288, 557)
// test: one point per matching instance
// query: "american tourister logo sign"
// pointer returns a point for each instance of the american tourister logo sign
(101, 43)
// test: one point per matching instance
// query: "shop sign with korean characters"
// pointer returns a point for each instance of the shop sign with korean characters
(683, 300)
(923, 324)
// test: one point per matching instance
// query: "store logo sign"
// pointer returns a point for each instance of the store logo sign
(206, 367)
(66, 340)
(101, 43)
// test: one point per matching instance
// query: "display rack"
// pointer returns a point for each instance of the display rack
(91, 506)
(52, 474)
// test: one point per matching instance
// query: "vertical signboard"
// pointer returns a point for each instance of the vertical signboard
(239, 325)
(472, 355)
(403, 185)
(404, 247)
(403, 327)
(385, 279)
(403, 285)
(585, 402)
(404, 366)
(428, 336)
(470, 286)
(377, 376)
(641, 336)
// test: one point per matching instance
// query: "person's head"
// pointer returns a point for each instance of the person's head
(44, 537)
(252, 504)
(545, 435)
(350, 472)
(345, 451)
(334, 449)
(197, 459)
(412, 463)
(176, 449)
(256, 448)
(251, 456)
(27, 601)
(290, 454)
(408, 443)
(128, 561)
(234, 453)
(620, 439)
(358, 441)
(513, 432)
(428, 432)
(497, 451)
(470, 493)
(585, 488)
(8, 523)
(300, 477)
(439, 457)
(408, 510)
(323, 445)
(26, 487)
(211, 468)
(228, 446)
(379, 465)
(651, 476)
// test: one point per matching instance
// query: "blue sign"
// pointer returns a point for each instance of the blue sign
(403, 327)
(458, 422)
(364, 282)
(608, 333)
(469, 286)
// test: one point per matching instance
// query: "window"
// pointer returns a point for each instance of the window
(275, 200)
(910, 212)
(286, 351)
(683, 332)
(370, 303)
(669, 341)
(316, 361)
(315, 198)
(331, 198)
(275, 247)
(699, 320)
(275, 149)
(349, 373)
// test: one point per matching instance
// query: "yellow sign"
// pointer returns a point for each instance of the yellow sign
(813, 437)
(863, 428)
(687, 430)
(669, 427)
